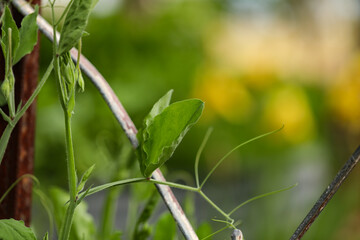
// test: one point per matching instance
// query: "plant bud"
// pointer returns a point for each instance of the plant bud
(80, 80)
(5, 88)
(11, 80)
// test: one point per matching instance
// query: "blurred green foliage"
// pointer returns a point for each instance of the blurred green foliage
(210, 50)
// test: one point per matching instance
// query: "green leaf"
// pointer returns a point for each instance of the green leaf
(84, 178)
(83, 226)
(11, 229)
(28, 35)
(8, 22)
(115, 236)
(74, 25)
(166, 131)
(165, 228)
(46, 237)
(142, 229)
(80, 79)
(158, 107)
(204, 230)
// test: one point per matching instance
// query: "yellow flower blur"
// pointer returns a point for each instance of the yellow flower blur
(289, 105)
(344, 97)
(224, 96)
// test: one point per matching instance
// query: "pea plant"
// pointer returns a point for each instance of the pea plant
(163, 128)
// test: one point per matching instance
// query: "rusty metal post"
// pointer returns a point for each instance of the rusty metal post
(19, 155)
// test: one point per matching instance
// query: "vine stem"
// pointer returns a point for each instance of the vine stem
(11, 123)
(70, 157)
(170, 184)
(120, 114)
(198, 190)
(66, 225)
(231, 221)
(234, 149)
(198, 154)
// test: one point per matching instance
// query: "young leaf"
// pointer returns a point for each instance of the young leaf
(142, 229)
(158, 107)
(74, 25)
(84, 178)
(166, 132)
(11, 229)
(204, 230)
(46, 237)
(165, 228)
(9, 23)
(83, 226)
(115, 236)
(28, 35)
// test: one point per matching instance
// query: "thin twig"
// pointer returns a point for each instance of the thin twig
(327, 195)
(121, 116)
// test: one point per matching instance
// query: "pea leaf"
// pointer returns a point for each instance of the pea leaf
(46, 237)
(11, 229)
(74, 25)
(83, 226)
(159, 139)
(8, 22)
(142, 228)
(158, 107)
(84, 178)
(28, 35)
(204, 230)
(165, 227)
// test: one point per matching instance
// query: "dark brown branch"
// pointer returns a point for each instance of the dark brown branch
(326, 196)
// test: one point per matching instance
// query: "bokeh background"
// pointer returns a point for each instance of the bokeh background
(257, 65)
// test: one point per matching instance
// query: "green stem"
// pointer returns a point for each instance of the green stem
(36, 92)
(108, 216)
(110, 206)
(234, 149)
(5, 139)
(171, 184)
(45, 202)
(112, 184)
(56, 60)
(11, 99)
(260, 196)
(12, 102)
(10, 126)
(214, 233)
(16, 182)
(64, 13)
(175, 185)
(198, 154)
(231, 221)
(71, 170)
(72, 180)
(192, 189)
(67, 222)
